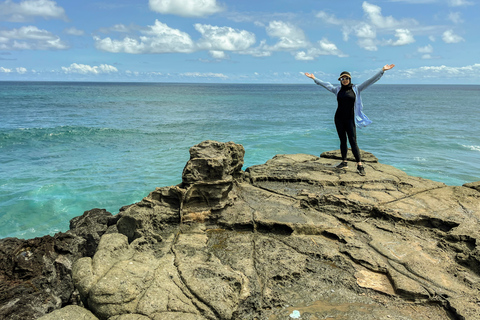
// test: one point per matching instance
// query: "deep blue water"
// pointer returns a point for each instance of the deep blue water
(69, 147)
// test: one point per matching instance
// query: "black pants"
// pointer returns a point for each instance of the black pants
(346, 128)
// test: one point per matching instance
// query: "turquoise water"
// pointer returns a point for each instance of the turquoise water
(69, 147)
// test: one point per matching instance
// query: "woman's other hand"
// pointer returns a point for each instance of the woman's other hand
(310, 75)
(388, 67)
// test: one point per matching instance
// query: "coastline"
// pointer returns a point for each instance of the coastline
(386, 240)
(67, 147)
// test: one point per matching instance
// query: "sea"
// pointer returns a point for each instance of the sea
(68, 147)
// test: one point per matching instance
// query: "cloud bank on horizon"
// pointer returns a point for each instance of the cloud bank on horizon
(430, 41)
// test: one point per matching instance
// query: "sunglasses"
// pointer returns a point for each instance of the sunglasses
(345, 78)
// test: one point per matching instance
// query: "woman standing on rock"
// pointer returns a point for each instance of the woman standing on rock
(349, 112)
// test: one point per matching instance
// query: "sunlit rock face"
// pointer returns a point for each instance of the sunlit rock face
(294, 237)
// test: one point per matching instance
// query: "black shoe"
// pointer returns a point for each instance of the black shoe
(342, 165)
(361, 170)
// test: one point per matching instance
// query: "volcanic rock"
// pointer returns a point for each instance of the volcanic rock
(294, 236)
(36, 274)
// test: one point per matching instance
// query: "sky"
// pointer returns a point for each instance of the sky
(242, 41)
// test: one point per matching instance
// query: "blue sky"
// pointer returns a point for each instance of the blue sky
(430, 41)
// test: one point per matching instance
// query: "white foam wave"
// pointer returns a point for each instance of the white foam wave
(473, 148)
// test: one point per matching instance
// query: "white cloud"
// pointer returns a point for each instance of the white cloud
(74, 31)
(284, 29)
(374, 14)
(160, 35)
(30, 38)
(158, 38)
(441, 72)
(368, 44)
(218, 54)
(262, 50)
(329, 18)
(223, 38)
(21, 70)
(292, 39)
(324, 48)
(460, 3)
(135, 73)
(367, 36)
(120, 28)
(365, 30)
(455, 17)
(305, 56)
(127, 45)
(427, 49)
(374, 24)
(328, 47)
(404, 37)
(86, 69)
(450, 37)
(27, 9)
(27, 32)
(290, 36)
(218, 41)
(186, 8)
(203, 75)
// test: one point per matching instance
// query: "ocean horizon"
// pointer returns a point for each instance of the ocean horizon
(68, 147)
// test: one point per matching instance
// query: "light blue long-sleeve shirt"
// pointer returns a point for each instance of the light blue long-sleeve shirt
(361, 120)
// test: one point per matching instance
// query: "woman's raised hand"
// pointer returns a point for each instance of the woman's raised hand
(310, 75)
(388, 67)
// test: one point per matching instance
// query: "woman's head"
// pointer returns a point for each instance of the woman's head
(345, 78)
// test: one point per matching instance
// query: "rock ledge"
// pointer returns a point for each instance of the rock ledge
(292, 235)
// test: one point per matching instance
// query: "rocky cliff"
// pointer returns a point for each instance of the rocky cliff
(292, 238)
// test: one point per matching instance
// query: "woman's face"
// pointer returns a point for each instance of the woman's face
(345, 80)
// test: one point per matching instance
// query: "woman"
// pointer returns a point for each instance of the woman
(349, 112)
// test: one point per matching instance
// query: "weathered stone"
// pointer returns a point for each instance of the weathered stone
(297, 231)
(129, 317)
(218, 285)
(473, 185)
(208, 178)
(36, 274)
(70, 313)
(336, 154)
(293, 234)
(154, 216)
(212, 161)
(91, 226)
(134, 278)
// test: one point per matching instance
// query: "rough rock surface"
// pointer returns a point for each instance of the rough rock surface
(292, 236)
(36, 274)
(70, 312)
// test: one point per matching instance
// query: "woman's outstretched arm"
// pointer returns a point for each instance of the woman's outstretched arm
(326, 85)
(375, 78)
